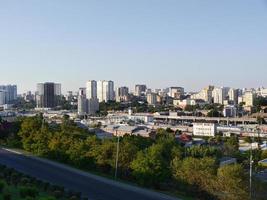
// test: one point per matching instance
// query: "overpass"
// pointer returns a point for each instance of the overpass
(170, 118)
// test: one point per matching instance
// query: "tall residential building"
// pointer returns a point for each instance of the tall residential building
(82, 102)
(205, 94)
(2, 97)
(233, 96)
(139, 90)
(87, 99)
(176, 92)
(91, 96)
(122, 94)
(57, 89)
(47, 95)
(152, 98)
(105, 91)
(248, 98)
(91, 89)
(10, 93)
(220, 94)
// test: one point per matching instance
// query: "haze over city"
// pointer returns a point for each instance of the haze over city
(158, 43)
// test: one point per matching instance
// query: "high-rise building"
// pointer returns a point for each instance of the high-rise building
(248, 98)
(47, 95)
(57, 88)
(205, 94)
(91, 89)
(88, 102)
(105, 91)
(122, 94)
(233, 96)
(82, 102)
(152, 98)
(139, 90)
(220, 94)
(2, 97)
(10, 93)
(176, 92)
(93, 106)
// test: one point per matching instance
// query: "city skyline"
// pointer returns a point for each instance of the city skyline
(190, 44)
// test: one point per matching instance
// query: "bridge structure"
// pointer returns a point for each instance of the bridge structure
(194, 119)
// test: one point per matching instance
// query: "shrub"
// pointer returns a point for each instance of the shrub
(28, 192)
(58, 194)
(29, 198)
(74, 198)
(47, 198)
(7, 196)
(2, 186)
(24, 181)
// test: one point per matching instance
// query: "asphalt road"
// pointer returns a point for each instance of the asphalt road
(94, 187)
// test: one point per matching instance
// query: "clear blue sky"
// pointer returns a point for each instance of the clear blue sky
(162, 43)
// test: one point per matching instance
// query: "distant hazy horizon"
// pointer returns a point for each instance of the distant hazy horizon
(188, 43)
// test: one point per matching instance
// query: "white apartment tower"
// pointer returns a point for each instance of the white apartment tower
(233, 96)
(91, 89)
(105, 91)
(220, 94)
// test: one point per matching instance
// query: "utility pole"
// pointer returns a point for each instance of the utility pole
(250, 172)
(117, 155)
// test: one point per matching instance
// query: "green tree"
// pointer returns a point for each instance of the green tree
(198, 174)
(150, 167)
(214, 113)
(231, 146)
(232, 183)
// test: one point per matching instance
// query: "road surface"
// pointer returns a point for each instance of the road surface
(91, 186)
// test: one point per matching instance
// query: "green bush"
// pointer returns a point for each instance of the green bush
(29, 198)
(58, 194)
(74, 198)
(7, 196)
(47, 198)
(28, 192)
(2, 186)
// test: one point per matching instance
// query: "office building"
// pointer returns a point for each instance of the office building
(9, 92)
(47, 95)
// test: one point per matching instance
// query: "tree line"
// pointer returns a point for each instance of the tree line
(161, 163)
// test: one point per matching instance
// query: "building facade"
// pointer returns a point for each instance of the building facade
(47, 95)
(122, 94)
(152, 99)
(176, 92)
(105, 91)
(8, 94)
(140, 90)
(204, 129)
